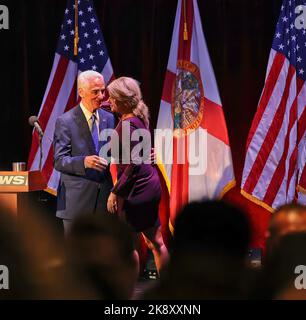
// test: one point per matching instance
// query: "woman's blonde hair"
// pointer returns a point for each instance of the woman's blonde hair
(126, 90)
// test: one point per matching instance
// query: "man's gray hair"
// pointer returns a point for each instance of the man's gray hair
(85, 76)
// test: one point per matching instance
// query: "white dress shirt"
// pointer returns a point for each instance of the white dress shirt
(88, 115)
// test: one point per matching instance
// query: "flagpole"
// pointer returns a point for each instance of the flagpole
(76, 27)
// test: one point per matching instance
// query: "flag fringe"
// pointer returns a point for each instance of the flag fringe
(301, 189)
(257, 201)
(227, 188)
(171, 228)
(51, 191)
(164, 174)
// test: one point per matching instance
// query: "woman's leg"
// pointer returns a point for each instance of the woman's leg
(136, 239)
(154, 240)
(136, 236)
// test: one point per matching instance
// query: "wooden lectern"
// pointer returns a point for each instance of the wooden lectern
(14, 186)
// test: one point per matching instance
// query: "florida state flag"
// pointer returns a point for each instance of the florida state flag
(192, 142)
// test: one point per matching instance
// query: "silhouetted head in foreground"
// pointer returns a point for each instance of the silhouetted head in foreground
(212, 227)
(279, 274)
(287, 219)
(31, 251)
(208, 258)
(101, 248)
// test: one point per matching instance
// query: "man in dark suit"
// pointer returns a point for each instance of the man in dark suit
(85, 179)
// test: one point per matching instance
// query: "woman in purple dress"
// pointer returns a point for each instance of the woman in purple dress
(137, 192)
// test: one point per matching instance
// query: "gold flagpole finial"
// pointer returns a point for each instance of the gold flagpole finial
(185, 37)
(76, 27)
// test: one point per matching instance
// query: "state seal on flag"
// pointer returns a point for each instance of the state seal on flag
(187, 98)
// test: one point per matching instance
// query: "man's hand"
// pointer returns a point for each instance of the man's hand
(95, 162)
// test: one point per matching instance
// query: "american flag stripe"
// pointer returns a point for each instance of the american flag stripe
(47, 107)
(288, 186)
(53, 182)
(275, 151)
(286, 141)
(302, 182)
(57, 106)
(294, 159)
(302, 154)
(301, 125)
(274, 74)
(57, 57)
(48, 165)
(292, 173)
(272, 58)
(279, 172)
(107, 72)
(60, 75)
(302, 113)
(270, 138)
(264, 123)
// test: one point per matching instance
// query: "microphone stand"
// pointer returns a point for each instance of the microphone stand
(40, 151)
(40, 197)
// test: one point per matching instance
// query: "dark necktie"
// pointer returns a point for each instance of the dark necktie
(94, 131)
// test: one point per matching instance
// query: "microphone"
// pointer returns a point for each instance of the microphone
(33, 121)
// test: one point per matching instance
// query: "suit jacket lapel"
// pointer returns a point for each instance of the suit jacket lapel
(102, 126)
(103, 121)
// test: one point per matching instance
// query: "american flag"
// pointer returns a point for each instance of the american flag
(61, 92)
(275, 158)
